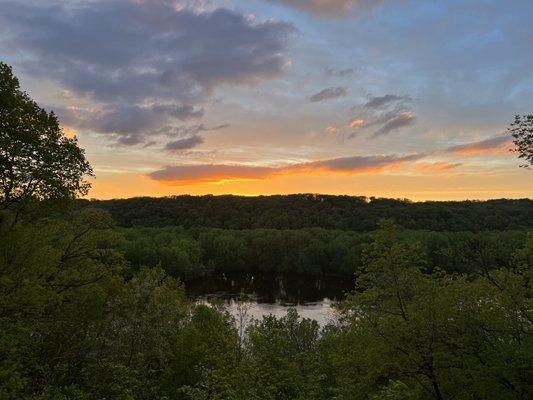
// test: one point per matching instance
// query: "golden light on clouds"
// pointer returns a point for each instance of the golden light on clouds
(357, 123)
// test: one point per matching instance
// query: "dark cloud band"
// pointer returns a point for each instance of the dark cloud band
(328, 94)
(183, 174)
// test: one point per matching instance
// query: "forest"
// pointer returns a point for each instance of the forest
(93, 304)
(190, 253)
(316, 211)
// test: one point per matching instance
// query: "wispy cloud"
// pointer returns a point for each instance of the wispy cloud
(338, 73)
(494, 144)
(439, 166)
(380, 101)
(187, 174)
(398, 121)
(184, 112)
(390, 112)
(184, 143)
(328, 94)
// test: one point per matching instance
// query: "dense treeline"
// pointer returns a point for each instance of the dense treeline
(312, 211)
(188, 253)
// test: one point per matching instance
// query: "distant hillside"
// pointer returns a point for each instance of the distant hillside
(325, 211)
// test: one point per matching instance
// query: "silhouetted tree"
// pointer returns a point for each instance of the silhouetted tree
(36, 159)
(522, 131)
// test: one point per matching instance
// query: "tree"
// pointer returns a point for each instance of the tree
(522, 131)
(36, 159)
(415, 335)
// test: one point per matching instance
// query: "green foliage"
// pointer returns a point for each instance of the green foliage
(443, 336)
(299, 211)
(522, 131)
(70, 325)
(36, 159)
(190, 253)
(76, 322)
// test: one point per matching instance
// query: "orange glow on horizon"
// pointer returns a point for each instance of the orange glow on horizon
(391, 184)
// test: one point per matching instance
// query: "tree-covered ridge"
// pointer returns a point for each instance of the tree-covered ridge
(324, 211)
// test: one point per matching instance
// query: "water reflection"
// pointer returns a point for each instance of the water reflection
(273, 294)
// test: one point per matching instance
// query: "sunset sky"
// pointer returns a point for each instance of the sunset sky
(388, 98)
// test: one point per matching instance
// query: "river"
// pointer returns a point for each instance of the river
(312, 297)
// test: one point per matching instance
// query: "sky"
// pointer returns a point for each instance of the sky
(386, 98)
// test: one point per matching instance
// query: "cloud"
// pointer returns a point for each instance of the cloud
(187, 174)
(124, 120)
(184, 174)
(390, 112)
(180, 131)
(182, 112)
(338, 73)
(439, 166)
(184, 143)
(136, 50)
(398, 121)
(329, 93)
(357, 123)
(358, 164)
(491, 145)
(380, 101)
(329, 8)
(132, 125)
(130, 140)
(127, 54)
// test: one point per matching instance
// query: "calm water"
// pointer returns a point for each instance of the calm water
(273, 294)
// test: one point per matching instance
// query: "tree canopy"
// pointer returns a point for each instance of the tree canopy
(522, 132)
(298, 211)
(36, 159)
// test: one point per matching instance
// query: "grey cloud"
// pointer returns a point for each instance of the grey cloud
(380, 101)
(121, 120)
(329, 93)
(481, 146)
(125, 54)
(399, 121)
(182, 112)
(173, 131)
(389, 111)
(360, 163)
(131, 140)
(131, 125)
(136, 50)
(183, 174)
(184, 144)
(338, 73)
